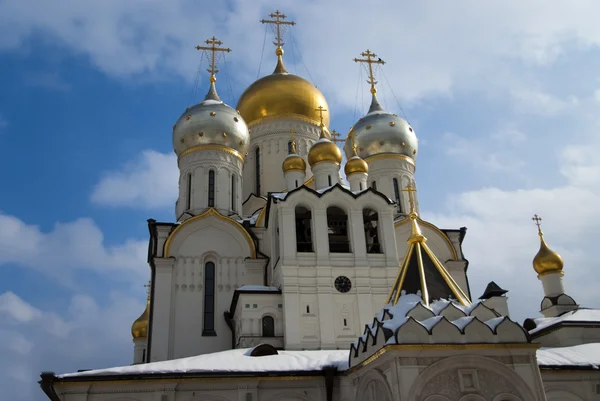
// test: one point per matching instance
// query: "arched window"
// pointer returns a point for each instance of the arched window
(303, 230)
(371, 226)
(397, 194)
(374, 185)
(337, 228)
(290, 147)
(268, 326)
(329, 179)
(189, 191)
(233, 194)
(209, 300)
(257, 170)
(211, 188)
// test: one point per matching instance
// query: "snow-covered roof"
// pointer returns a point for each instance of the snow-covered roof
(258, 288)
(582, 356)
(231, 361)
(579, 315)
(279, 195)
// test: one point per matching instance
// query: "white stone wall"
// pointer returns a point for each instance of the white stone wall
(249, 312)
(571, 385)
(384, 170)
(272, 138)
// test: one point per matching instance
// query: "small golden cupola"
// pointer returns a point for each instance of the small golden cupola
(293, 162)
(139, 329)
(355, 164)
(546, 261)
(324, 150)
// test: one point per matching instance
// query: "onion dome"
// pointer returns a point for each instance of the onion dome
(381, 132)
(139, 329)
(355, 164)
(324, 151)
(293, 161)
(211, 124)
(282, 95)
(547, 261)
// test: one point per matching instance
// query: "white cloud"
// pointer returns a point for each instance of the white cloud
(149, 182)
(86, 336)
(544, 104)
(77, 245)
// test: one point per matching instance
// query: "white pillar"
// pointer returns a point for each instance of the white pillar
(553, 284)
(358, 181)
(139, 350)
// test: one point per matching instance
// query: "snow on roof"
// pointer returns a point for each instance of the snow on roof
(584, 355)
(279, 195)
(579, 315)
(258, 288)
(232, 361)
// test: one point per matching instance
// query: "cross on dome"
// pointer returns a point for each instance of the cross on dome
(410, 190)
(278, 21)
(213, 49)
(538, 222)
(370, 60)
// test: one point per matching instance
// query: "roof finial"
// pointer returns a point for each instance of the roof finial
(321, 109)
(370, 60)
(148, 287)
(278, 21)
(293, 149)
(213, 49)
(538, 222)
(410, 190)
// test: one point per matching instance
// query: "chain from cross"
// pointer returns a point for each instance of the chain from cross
(335, 137)
(213, 42)
(321, 109)
(410, 190)
(370, 60)
(278, 21)
(538, 222)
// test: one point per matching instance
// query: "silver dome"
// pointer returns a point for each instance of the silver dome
(381, 132)
(211, 122)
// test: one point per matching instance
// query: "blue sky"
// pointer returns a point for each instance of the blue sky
(504, 99)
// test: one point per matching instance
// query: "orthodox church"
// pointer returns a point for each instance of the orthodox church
(284, 279)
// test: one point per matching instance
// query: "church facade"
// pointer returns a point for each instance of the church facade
(284, 279)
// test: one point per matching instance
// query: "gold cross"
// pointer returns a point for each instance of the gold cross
(335, 137)
(278, 17)
(410, 190)
(213, 42)
(320, 109)
(370, 60)
(537, 219)
(292, 131)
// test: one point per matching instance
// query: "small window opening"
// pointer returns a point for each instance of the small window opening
(233, 194)
(307, 309)
(360, 186)
(397, 194)
(371, 227)
(374, 185)
(329, 179)
(211, 188)
(189, 191)
(296, 183)
(257, 170)
(268, 326)
(345, 323)
(144, 356)
(303, 230)
(337, 224)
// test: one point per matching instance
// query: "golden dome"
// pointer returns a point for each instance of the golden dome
(324, 150)
(547, 261)
(355, 164)
(282, 95)
(139, 329)
(293, 161)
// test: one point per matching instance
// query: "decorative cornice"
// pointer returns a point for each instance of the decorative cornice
(208, 213)
(220, 148)
(291, 116)
(382, 156)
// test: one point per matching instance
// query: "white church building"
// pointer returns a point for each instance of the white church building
(283, 279)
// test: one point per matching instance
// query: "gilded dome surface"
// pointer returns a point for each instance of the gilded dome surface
(546, 260)
(293, 162)
(211, 122)
(381, 132)
(356, 165)
(324, 150)
(282, 95)
(139, 328)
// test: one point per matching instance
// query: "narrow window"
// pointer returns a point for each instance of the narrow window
(374, 185)
(296, 183)
(397, 194)
(211, 188)
(257, 168)
(345, 323)
(233, 192)
(360, 186)
(189, 191)
(290, 147)
(370, 222)
(303, 230)
(307, 309)
(209, 299)
(268, 326)
(144, 356)
(329, 179)
(337, 224)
